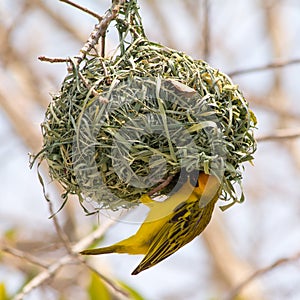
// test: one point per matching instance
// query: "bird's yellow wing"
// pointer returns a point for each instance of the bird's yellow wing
(186, 222)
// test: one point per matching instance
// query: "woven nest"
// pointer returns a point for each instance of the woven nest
(121, 126)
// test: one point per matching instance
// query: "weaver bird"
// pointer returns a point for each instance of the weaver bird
(170, 224)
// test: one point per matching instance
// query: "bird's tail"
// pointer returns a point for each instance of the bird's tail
(136, 271)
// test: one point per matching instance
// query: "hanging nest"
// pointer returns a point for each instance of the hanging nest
(123, 125)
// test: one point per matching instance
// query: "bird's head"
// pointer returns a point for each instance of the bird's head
(208, 185)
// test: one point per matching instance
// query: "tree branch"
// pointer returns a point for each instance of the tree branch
(260, 272)
(206, 30)
(86, 10)
(54, 60)
(57, 265)
(280, 134)
(161, 186)
(62, 236)
(109, 282)
(273, 65)
(100, 30)
(25, 256)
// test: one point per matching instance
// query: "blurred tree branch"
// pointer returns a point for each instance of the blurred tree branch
(229, 267)
(24, 256)
(60, 21)
(84, 9)
(54, 267)
(280, 134)
(261, 272)
(266, 67)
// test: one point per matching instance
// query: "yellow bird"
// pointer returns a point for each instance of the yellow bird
(170, 224)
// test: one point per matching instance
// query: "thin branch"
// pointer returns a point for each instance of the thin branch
(260, 272)
(86, 10)
(42, 277)
(206, 29)
(161, 186)
(100, 29)
(92, 237)
(280, 134)
(58, 19)
(24, 256)
(61, 234)
(53, 268)
(98, 32)
(161, 22)
(54, 60)
(266, 104)
(104, 278)
(273, 65)
(102, 52)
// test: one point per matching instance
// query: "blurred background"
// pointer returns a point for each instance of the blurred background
(261, 235)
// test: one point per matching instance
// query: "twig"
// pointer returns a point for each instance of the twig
(92, 237)
(54, 60)
(100, 30)
(53, 268)
(42, 277)
(86, 10)
(104, 278)
(25, 256)
(206, 30)
(162, 23)
(281, 111)
(280, 134)
(102, 52)
(260, 272)
(61, 21)
(161, 186)
(61, 234)
(273, 65)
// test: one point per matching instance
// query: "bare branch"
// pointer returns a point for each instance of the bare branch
(62, 236)
(100, 30)
(59, 20)
(280, 134)
(206, 30)
(92, 237)
(54, 60)
(86, 10)
(162, 23)
(25, 256)
(57, 265)
(161, 186)
(273, 65)
(262, 271)
(42, 277)
(109, 282)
